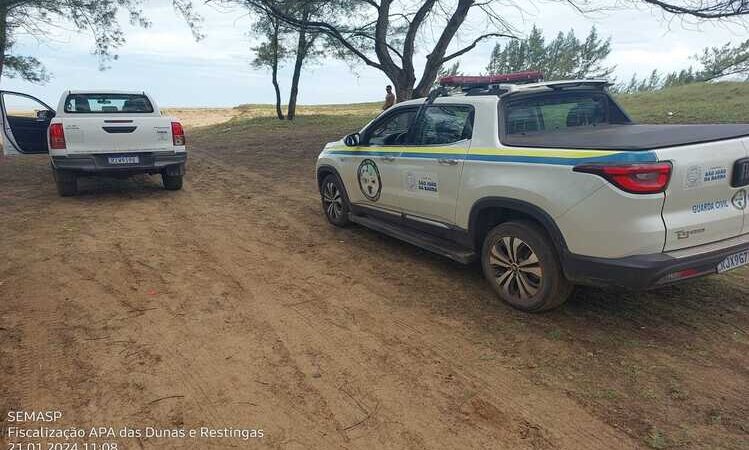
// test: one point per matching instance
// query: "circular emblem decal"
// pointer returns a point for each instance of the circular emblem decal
(739, 200)
(369, 180)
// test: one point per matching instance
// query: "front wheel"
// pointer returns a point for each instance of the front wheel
(334, 201)
(520, 263)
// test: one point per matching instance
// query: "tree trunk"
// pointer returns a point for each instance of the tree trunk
(301, 53)
(435, 59)
(404, 90)
(279, 111)
(3, 37)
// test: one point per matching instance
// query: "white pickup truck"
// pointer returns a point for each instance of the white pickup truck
(548, 185)
(112, 133)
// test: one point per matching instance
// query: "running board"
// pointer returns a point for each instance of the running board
(433, 244)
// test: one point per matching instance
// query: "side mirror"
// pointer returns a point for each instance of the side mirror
(352, 140)
(44, 115)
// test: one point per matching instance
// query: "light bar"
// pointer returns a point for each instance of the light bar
(529, 76)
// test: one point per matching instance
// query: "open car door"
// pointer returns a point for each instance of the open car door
(25, 121)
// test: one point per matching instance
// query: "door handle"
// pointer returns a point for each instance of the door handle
(448, 161)
(389, 158)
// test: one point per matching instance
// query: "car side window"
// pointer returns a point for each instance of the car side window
(444, 124)
(19, 106)
(393, 130)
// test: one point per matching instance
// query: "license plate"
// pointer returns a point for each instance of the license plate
(116, 160)
(734, 261)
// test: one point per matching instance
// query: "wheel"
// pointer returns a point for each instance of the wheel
(172, 182)
(520, 263)
(334, 201)
(67, 182)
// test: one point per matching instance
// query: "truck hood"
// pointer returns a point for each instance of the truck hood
(628, 136)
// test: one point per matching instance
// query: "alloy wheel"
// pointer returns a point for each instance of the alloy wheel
(332, 201)
(516, 267)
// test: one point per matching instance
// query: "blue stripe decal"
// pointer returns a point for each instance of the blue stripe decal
(619, 158)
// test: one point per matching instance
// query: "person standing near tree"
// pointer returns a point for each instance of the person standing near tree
(389, 97)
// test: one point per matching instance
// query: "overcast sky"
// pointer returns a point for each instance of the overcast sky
(178, 71)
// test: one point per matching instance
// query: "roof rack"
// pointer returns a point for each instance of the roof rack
(488, 83)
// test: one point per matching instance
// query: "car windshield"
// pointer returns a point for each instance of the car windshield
(560, 111)
(107, 103)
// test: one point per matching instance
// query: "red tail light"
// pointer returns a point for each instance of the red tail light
(178, 134)
(646, 178)
(56, 137)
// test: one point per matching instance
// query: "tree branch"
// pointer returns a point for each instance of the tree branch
(473, 45)
(413, 28)
(268, 7)
(711, 9)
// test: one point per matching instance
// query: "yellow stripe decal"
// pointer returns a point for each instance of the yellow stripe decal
(510, 155)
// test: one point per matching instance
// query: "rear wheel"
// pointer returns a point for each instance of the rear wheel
(520, 263)
(334, 201)
(66, 181)
(172, 182)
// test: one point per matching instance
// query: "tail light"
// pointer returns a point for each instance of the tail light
(56, 137)
(178, 134)
(646, 178)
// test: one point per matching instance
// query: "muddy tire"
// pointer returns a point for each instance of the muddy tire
(334, 200)
(171, 182)
(520, 263)
(67, 182)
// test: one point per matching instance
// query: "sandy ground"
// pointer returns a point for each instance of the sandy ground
(233, 303)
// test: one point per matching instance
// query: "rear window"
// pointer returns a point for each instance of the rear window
(107, 103)
(560, 111)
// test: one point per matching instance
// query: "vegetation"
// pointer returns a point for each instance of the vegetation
(713, 63)
(38, 17)
(565, 57)
(723, 102)
(384, 33)
(276, 46)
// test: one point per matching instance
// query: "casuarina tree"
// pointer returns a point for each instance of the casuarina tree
(565, 57)
(99, 18)
(384, 33)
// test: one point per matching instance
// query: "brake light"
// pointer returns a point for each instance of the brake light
(178, 134)
(645, 178)
(56, 137)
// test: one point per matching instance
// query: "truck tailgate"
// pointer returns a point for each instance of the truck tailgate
(117, 135)
(700, 205)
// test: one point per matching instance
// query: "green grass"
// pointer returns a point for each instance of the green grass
(726, 102)
(351, 122)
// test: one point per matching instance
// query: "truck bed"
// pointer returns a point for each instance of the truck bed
(633, 137)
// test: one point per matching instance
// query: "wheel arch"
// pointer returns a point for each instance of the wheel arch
(323, 171)
(491, 211)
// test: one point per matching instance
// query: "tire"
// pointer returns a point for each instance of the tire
(520, 263)
(67, 182)
(172, 182)
(334, 200)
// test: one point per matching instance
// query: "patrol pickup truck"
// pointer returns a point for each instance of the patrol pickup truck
(549, 185)
(113, 133)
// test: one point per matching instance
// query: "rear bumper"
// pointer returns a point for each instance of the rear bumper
(98, 163)
(649, 271)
